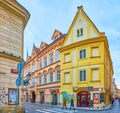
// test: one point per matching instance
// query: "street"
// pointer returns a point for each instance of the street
(36, 108)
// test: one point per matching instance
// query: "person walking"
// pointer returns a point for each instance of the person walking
(112, 100)
(72, 104)
(64, 103)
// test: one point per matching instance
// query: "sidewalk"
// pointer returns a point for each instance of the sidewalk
(76, 108)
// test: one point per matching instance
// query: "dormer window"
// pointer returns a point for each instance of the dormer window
(79, 32)
(56, 37)
(42, 48)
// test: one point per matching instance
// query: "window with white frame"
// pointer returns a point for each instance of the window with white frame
(67, 57)
(33, 81)
(51, 58)
(33, 67)
(40, 64)
(82, 76)
(45, 61)
(95, 74)
(82, 53)
(45, 79)
(51, 77)
(95, 51)
(79, 32)
(67, 77)
(58, 75)
(57, 55)
(40, 80)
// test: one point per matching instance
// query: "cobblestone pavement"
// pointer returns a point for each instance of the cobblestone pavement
(36, 108)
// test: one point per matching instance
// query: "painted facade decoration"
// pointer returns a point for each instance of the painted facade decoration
(44, 68)
(86, 64)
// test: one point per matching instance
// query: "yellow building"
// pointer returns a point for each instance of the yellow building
(13, 19)
(86, 65)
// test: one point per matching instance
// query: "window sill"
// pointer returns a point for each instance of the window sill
(67, 83)
(82, 59)
(67, 62)
(82, 82)
(95, 57)
(95, 81)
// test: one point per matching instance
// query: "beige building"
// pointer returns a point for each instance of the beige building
(13, 19)
(44, 67)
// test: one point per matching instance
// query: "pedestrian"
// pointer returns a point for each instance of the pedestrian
(112, 100)
(64, 103)
(90, 103)
(72, 104)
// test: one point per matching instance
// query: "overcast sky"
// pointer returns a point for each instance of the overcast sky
(48, 15)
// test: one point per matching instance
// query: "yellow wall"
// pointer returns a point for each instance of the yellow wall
(72, 45)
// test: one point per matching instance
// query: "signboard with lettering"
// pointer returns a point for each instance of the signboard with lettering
(95, 89)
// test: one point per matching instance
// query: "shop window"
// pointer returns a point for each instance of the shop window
(101, 98)
(96, 98)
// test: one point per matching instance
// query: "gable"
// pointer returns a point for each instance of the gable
(56, 34)
(81, 28)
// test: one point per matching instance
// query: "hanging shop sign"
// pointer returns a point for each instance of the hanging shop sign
(15, 71)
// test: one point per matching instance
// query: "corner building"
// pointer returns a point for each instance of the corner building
(13, 19)
(86, 65)
(44, 68)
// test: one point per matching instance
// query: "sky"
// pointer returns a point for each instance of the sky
(48, 15)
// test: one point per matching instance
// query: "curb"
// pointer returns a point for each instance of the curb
(84, 109)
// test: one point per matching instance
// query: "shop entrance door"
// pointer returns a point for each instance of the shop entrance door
(83, 99)
(54, 99)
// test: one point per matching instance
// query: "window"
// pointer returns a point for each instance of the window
(51, 58)
(95, 74)
(45, 79)
(51, 77)
(95, 51)
(67, 77)
(80, 32)
(40, 64)
(33, 81)
(67, 57)
(58, 75)
(57, 55)
(56, 37)
(40, 80)
(82, 75)
(82, 53)
(45, 61)
(33, 67)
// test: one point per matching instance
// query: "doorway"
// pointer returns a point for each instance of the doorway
(83, 99)
(54, 98)
(42, 97)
